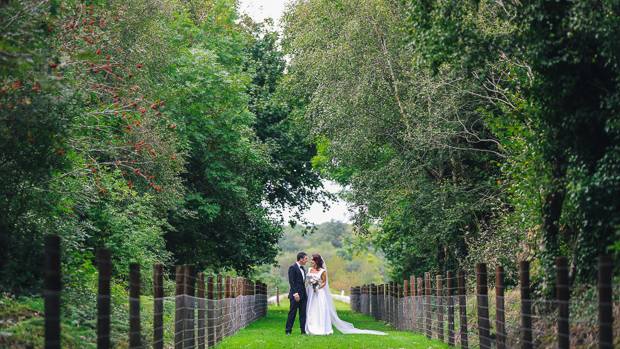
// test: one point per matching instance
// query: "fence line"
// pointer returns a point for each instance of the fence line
(197, 320)
(497, 317)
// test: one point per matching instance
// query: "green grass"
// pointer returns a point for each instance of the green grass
(268, 332)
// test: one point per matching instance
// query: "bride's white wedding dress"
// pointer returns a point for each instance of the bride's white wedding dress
(318, 318)
(321, 312)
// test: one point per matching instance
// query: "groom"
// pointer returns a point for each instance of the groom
(297, 293)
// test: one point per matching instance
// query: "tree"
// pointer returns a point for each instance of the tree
(76, 128)
(559, 57)
(410, 147)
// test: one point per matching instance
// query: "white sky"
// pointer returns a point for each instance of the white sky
(338, 210)
(259, 10)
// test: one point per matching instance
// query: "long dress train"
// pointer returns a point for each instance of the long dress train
(321, 312)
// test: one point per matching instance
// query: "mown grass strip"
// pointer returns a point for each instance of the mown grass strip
(268, 332)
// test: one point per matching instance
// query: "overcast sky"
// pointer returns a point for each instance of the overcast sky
(259, 10)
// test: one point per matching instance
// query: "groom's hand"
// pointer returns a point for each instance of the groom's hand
(297, 298)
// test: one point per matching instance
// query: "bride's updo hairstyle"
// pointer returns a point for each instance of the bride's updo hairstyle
(318, 260)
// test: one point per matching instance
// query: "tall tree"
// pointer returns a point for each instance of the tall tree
(560, 56)
(410, 147)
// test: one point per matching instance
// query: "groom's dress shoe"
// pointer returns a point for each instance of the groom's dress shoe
(287, 332)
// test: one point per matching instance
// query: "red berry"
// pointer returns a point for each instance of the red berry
(140, 66)
(59, 153)
(173, 127)
(131, 75)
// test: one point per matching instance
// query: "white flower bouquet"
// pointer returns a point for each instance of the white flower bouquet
(315, 283)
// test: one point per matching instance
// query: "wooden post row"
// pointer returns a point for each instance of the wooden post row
(103, 300)
(463, 310)
(210, 313)
(500, 326)
(412, 313)
(427, 302)
(178, 307)
(158, 306)
(399, 307)
(135, 338)
(419, 306)
(189, 289)
(450, 286)
(52, 292)
(405, 307)
(439, 308)
(483, 305)
(200, 302)
(218, 310)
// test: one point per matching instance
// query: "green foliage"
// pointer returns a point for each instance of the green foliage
(409, 146)
(133, 125)
(552, 66)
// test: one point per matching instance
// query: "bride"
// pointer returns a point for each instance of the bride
(320, 309)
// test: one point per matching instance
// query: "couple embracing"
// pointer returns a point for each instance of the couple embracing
(317, 312)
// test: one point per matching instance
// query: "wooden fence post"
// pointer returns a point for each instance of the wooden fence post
(412, 313)
(605, 305)
(562, 299)
(482, 294)
(463, 310)
(500, 325)
(380, 293)
(395, 304)
(388, 302)
(135, 340)
(352, 298)
(189, 338)
(420, 306)
(450, 286)
(405, 307)
(158, 306)
(210, 313)
(218, 312)
(227, 296)
(201, 310)
(399, 307)
(374, 304)
(427, 303)
(103, 300)
(440, 308)
(526, 305)
(178, 307)
(53, 286)
(278, 296)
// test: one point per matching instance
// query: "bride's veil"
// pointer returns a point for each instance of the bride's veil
(342, 326)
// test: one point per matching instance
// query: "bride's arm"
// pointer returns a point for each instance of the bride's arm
(324, 279)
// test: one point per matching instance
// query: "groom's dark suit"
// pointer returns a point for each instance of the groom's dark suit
(296, 281)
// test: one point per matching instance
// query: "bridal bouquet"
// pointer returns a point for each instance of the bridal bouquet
(314, 283)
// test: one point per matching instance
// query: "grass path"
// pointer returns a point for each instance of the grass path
(268, 332)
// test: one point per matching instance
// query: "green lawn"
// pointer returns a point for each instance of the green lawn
(268, 332)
